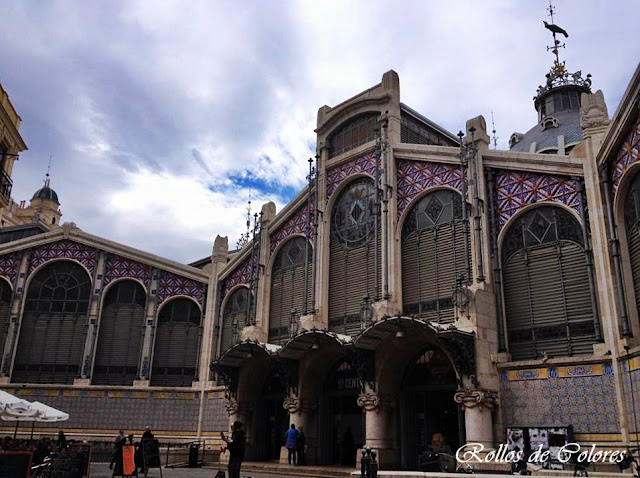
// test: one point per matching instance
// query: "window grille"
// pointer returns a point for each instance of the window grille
(234, 318)
(546, 286)
(177, 340)
(354, 248)
(353, 133)
(53, 327)
(5, 309)
(632, 227)
(121, 330)
(433, 256)
(287, 287)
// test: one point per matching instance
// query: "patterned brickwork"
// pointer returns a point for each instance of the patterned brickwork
(416, 176)
(516, 189)
(297, 224)
(113, 409)
(581, 396)
(365, 164)
(627, 155)
(241, 275)
(117, 267)
(171, 285)
(66, 249)
(10, 266)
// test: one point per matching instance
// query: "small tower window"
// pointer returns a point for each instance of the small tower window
(53, 220)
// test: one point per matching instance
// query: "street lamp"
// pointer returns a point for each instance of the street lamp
(293, 322)
(366, 313)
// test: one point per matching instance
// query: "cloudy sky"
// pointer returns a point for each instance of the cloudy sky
(162, 117)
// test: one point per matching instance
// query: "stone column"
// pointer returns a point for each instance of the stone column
(322, 243)
(92, 323)
(378, 430)
(478, 406)
(14, 322)
(149, 330)
(301, 414)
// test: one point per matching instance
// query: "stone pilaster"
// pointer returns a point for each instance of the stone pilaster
(378, 426)
(14, 322)
(478, 406)
(92, 324)
(149, 331)
(322, 238)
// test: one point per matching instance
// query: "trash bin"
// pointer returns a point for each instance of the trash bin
(193, 455)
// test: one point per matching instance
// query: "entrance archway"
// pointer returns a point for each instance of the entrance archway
(427, 406)
(342, 419)
(271, 420)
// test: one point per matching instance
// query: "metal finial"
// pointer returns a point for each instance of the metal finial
(46, 180)
(495, 138)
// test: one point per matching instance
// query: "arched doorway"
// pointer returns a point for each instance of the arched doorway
(427, 405)
(271, 420)
(342, 419)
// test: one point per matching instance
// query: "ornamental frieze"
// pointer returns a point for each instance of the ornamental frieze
(627, 155)
(517, 189)
(416, 176)
(64, 249)
(296, 224)
(335, 176)
(171, 285)
(10, 266)
(241, 275)
(117, 267)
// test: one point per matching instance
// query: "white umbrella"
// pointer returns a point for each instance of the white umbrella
(48, 414)
(14, 408)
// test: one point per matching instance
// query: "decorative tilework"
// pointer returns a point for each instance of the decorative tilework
(297, 224)
(241, 275)
(10, 266)
(631, 383)
(586, 401)
(171, 285)
(335, 176)
(627, 155)
(66, 249)
(516, 189)
(416, 176)
(116, 267)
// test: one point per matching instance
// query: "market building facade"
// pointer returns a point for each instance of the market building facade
(422, 283)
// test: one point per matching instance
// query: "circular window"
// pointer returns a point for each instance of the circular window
(354, 217)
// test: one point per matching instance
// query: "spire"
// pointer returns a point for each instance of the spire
(47, 180)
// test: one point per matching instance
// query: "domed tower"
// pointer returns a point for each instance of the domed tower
(558, 106)
(45, 205)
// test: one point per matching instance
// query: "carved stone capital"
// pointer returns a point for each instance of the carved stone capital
(232, 406)
(477, 398)
(297, 405)
(373, 402)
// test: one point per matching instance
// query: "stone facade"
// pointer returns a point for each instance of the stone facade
(401, 367)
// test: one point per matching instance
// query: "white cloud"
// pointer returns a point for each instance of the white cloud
(150, 108)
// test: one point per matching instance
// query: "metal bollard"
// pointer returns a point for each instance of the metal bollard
(365, 458)
(373, 465)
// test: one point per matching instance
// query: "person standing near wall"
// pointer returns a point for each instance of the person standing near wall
(236, 446)
(291, 441)
(301, 447)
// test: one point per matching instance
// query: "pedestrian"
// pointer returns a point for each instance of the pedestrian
(62, 440)
(291, 440)
(147, 435)
(236, 446)
(116, 459)
(301, 447)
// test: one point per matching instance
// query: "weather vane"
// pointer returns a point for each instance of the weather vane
(553, 28)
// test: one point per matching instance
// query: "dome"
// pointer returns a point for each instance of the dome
(558, 107)
(46, 193)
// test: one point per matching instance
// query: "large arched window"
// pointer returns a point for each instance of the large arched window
(632, 229)
(5, 309)
(353, 133)
(175, 355)
(121, 333)
(433, 255)
(288, 286)
(354, 255)
(547, 297)
(53, 326)
(234, 318)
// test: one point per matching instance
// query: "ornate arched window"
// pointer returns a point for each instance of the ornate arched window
(353, 133)
(632, 229)
(354, 255)
(234, 318)
(547, 297)
(287, 287)
(175, 354)
(54, 322)
(5, 309)
(122, 324)
(435, 253)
